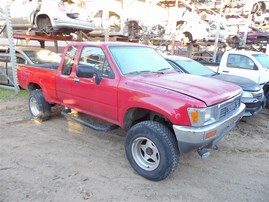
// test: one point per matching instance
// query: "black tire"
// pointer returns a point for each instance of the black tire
(267, 100)
(152, 150)
(38, 106)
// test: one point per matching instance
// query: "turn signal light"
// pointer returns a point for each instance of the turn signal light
(195, 116)
(211, 134)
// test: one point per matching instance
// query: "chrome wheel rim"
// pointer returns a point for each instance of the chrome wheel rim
(145, 154)
(34, 106)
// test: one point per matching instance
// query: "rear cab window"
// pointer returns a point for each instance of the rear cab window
(240, 62)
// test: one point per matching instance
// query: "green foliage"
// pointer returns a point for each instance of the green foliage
(9, 94)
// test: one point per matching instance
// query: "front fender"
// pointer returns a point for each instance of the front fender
(172, 105)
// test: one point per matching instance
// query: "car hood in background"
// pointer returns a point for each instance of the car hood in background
(244, 83)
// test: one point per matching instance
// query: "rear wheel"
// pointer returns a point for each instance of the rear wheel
(38, 106)
(152, 150)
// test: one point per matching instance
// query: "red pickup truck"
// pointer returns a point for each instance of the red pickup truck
(132, 86)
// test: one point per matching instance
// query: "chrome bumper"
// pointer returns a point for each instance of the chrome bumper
(191, 138)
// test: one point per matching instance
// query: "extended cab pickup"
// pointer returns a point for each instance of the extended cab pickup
(165, 113)
(250, 64)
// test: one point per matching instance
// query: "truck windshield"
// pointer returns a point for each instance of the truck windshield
(193, 67)
(263, 59)
(139, 60)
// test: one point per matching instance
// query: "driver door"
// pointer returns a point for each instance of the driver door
(99, 100)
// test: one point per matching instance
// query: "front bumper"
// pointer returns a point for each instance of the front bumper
(191, 138)
(69, 23)
(253, 105)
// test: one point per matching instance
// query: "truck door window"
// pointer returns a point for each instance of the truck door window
(95, 58)
(240, 62)
(69, 60)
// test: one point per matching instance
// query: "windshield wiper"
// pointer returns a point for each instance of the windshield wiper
(214, 74)
(160, 70)
(144, 71)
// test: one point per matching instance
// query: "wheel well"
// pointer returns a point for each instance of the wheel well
(41, 19)
(259, 7)
(33, 86)
(266, 88)
(189, 36)
(137, 115)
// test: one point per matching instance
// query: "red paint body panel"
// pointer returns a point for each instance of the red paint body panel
(208, 90)
(169, 94)
(45, 78)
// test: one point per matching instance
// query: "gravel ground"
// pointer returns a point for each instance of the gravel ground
(61, 160)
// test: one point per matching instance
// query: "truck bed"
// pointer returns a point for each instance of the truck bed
(44, 73)
(45, 65)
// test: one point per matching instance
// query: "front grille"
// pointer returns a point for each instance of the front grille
(229, 107)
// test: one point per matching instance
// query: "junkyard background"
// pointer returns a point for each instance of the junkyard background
(61, 160)
(159, 23)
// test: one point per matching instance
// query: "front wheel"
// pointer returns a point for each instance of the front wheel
(38, 106)
(267, 100)
(152, 150)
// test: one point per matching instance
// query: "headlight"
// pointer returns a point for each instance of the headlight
(246, 94)
(202, 116)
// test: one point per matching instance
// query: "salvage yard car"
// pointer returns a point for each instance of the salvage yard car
(257, 36)
(252, 96)
(132, 86)
(48, 16)
(249, 64)
(25, 55)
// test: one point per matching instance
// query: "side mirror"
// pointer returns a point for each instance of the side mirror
(86, 71)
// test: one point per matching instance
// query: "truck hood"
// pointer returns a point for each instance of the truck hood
(244, 83)
(210, 91)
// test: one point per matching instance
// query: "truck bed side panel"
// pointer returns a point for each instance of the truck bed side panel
(43, 77)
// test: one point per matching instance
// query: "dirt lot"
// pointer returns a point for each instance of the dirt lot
(61, 160)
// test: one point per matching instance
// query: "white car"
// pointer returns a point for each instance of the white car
(49, 16)
(132, 21)
(28, 55)
(189, 26)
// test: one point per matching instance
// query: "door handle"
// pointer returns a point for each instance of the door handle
(225, 71)
(76, 80)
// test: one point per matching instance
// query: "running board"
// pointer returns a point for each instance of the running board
(66, 113)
